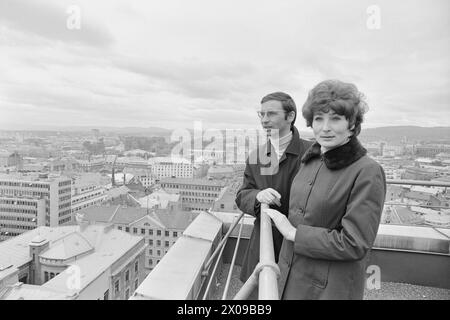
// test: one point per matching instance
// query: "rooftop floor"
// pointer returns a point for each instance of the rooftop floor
(388, 290)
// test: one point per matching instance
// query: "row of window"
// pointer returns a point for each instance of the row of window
(127, 280)
(25, 184)
(190, 186)
(65, 220)
(199, 194)
(64, 213)
(66, 190)
(64, 205)
(19, 202)
(18, 193)
(76, 200)
(150, 262)
(18, 210)
(16, 226)
(158, 243)
(64, 198)
(197, 200)
(65, 183)
(150, 231)
(13, 218)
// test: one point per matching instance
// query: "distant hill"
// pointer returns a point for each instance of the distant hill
(411, 133)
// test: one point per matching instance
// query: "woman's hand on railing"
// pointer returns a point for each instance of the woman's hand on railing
(282, 223)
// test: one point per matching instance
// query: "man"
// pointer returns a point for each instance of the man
(278, 113)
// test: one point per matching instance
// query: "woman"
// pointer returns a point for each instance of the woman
(336, 202)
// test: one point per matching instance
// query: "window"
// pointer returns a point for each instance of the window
(46, 276)
(136, 266)
(116, 287)
(175, 234)
(150, 261)
(158, 252)
(52, 275)
(135, 230)
(119, 227)
(150, 232)
(136, 284)
(166, 233)
(158, 243)
(222, 206)
(150, 252)
(127, 229)
(127, 294)
(142, 231)
(158, 232)
(150, 242)
(127, 275)
(166, 244)
(106, 295)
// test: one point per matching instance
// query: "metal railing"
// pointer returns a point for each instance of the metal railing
(268, 286)
(218, 252)
(419, 183)
(265, 278)
(233, 260)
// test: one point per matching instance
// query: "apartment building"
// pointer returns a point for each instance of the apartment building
(160, 227)
(167, 167)
(196, 194)
(23, 196)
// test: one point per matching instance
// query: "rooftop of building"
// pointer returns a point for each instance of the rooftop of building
(21, 291)
(176, 219)
(159, 198)
(96, 248)
(89, 178)
(117, 191)
(35, 176)
(413, 260)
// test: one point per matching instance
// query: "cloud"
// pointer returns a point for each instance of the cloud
(172, 63)
(50, 22)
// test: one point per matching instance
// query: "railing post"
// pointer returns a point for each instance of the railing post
(268, 286)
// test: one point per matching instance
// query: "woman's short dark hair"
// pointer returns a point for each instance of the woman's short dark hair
(286, 101)
(343, 98)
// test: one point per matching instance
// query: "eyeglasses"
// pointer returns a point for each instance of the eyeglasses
(269, 114)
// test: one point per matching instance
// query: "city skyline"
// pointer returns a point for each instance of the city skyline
(170, 64)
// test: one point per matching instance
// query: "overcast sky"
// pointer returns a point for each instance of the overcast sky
(170, 63)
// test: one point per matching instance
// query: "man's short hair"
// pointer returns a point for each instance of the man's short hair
(286, 101)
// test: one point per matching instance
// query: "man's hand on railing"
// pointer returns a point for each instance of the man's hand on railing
(282, 223)
(269, 196)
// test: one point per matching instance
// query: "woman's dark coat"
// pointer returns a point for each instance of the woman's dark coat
(336, 201)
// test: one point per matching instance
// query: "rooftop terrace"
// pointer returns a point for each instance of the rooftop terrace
(413, 260)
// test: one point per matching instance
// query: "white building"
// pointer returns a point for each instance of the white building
(87, 262)
(144, 176)
(87, 190)
(171, 167)
(20, 194)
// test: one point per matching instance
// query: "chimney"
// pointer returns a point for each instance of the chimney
(81, 222)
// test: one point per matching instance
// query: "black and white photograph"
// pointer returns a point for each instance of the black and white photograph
(203, 151)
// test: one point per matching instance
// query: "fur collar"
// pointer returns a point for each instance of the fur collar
(339, 157)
